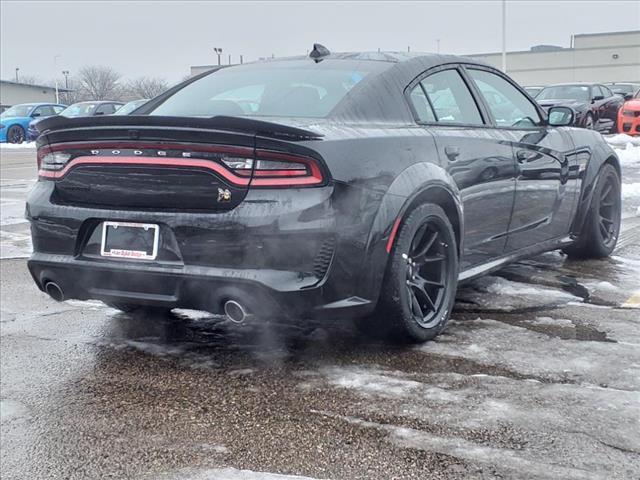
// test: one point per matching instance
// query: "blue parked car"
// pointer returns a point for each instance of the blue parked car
(14, 122)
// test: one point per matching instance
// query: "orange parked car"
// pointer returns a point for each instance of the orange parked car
(629, 116)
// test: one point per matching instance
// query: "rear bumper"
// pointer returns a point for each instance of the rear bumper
(263, 292)
(285, 252)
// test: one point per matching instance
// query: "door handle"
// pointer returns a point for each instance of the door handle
(525, 155)
(452, 152)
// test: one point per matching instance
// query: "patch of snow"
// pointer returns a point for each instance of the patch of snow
(553, 322)
(631, 190)
(15, 245)
(526, 352)
(18, 146)
(372, 381)
(10, 409)
(622, 139)
(497, 293)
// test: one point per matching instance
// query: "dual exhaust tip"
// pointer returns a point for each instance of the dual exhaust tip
(233, 310)
(54, 291)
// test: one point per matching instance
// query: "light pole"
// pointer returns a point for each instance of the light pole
(66, 85)
(438, 45)
(17, 70)
(504, 36)
(218, 52)
(55, 67)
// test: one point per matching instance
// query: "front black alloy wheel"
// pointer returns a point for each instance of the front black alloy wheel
(601, 227)
(15, 134)
(589, 124)
(420, 283)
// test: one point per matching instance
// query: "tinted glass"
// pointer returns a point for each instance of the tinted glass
(17, 111)
(79, 110)
(451, 99)
(421, 105)
(565, 92)
(509, 107)
(598, 92)
(127, 108)
(296, 88)
(606, 91)
(105, 109)
(44, 111)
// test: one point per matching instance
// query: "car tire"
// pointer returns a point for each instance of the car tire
(15, 134)
(420, 283)
(139, 309)
(601, 227)
(589, 124)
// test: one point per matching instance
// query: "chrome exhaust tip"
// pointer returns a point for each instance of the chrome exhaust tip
(54, 291)
(235, 312)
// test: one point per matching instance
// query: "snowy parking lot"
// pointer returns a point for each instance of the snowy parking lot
(537, 376)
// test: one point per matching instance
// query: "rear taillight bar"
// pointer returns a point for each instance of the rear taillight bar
(237, 165)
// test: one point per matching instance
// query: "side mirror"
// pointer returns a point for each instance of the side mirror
(99, 113)
(628, 96)
(561, 116)
(35, 114)
(598, 97)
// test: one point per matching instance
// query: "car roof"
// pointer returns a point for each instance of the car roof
(94, 102)
(580, 84)
(37, 104)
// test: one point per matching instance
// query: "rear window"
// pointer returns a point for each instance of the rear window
(296, 88)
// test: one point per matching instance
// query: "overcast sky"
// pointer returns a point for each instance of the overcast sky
(163, 38)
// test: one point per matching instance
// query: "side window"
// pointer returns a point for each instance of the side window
(421, 105)
(104, 109)
(451, 99)
(606, 92)
(509, 107)
(57, 109)
(46, 111)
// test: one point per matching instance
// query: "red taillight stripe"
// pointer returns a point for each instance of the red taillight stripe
(392, 236)
(165, 161)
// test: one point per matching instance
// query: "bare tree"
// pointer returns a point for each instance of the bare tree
(99, 82)
(75, 92)
(145, 87)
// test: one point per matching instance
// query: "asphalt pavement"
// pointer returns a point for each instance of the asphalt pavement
(537, 376)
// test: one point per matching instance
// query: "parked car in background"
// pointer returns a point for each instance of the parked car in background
(127, 108)
(629, 116)
(533, 91)
(626, 90)
(14, 121)
(80, 109)
(336, 185)
(89, 109)
(595, 106)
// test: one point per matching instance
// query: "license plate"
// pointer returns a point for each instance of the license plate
(130, 240)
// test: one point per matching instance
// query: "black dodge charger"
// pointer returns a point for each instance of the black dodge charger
(364, 185)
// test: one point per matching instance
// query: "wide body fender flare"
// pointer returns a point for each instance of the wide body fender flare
(418, 183)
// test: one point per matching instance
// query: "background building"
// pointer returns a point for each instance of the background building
(13, 93)
(592, 57)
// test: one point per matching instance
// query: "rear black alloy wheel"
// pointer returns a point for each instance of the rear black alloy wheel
(601, 227)
(15, 134)
(420, 284)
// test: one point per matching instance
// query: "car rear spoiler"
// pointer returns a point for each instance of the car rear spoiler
(221, 122)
